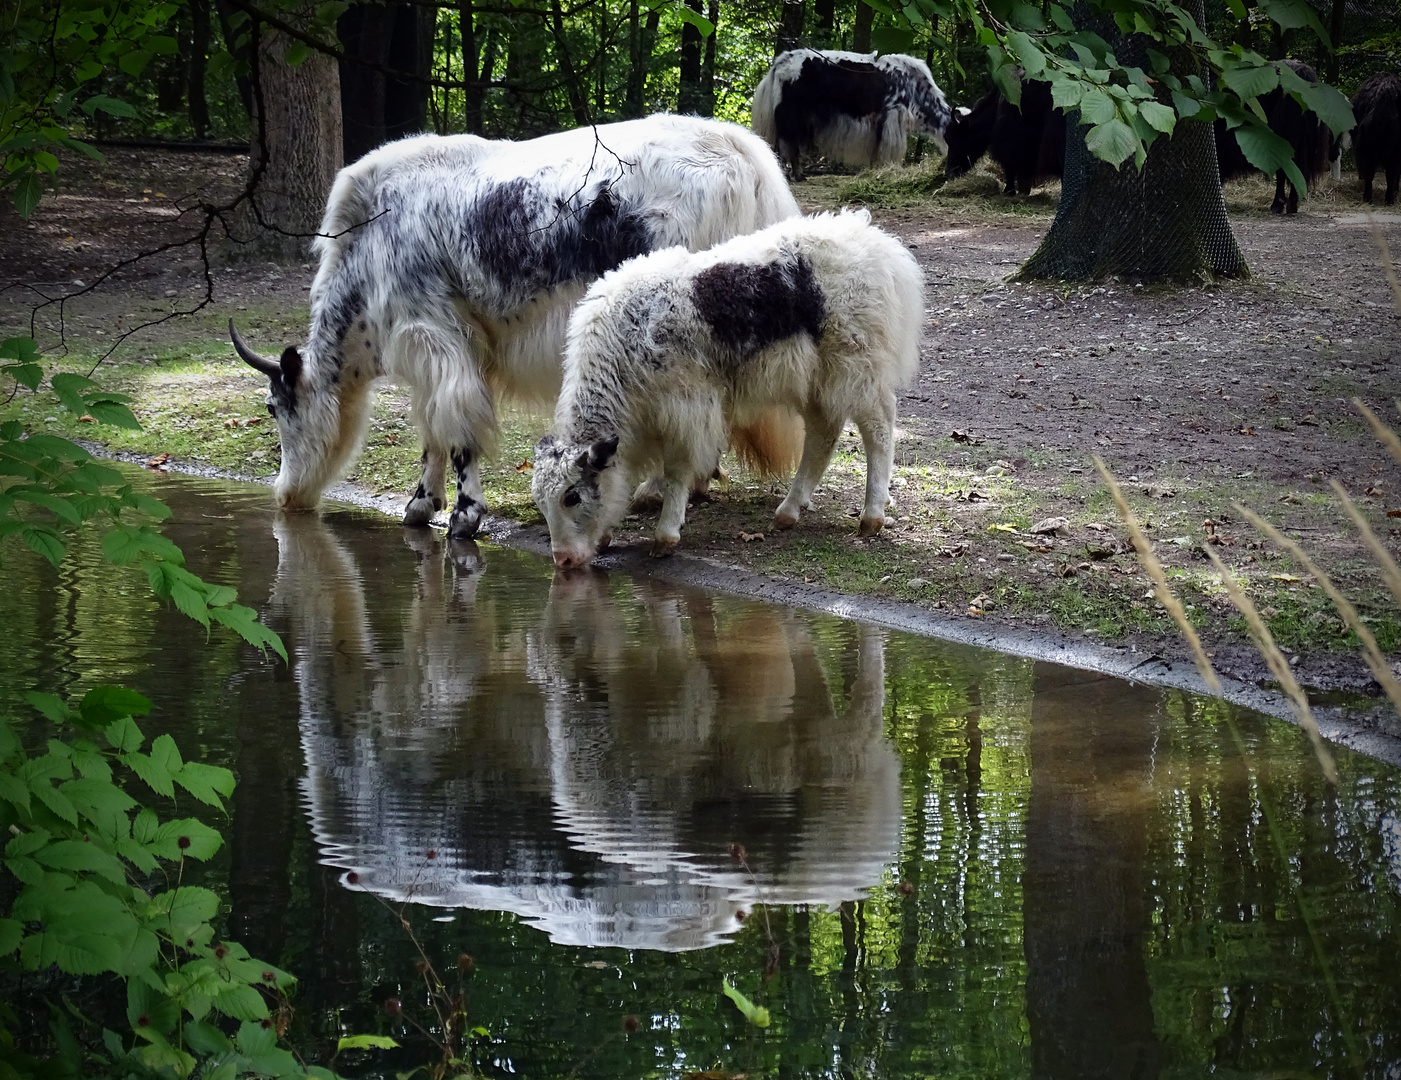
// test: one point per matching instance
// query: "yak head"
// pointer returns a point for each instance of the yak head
(966, 142)
(582, 493)
(320, 423)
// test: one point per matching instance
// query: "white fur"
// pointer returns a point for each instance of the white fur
(439, 319)
(876, 139)
(648, 383)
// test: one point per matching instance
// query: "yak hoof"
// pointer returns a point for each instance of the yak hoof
(784, 519)
(418, 512)
(662, 546)
(871, 526)
(464, 522)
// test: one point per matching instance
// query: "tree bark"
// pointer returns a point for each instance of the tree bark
(825, 12)
(861, 30)
(296, 147)
(199, 63)
(688, 92)
(707, 102)
(1336, 23)
(1166, 221)
(475, 93)
(237, 51)
(576, 92)
(790, 28)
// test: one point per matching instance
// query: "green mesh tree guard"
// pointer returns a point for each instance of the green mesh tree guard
(1165, 222)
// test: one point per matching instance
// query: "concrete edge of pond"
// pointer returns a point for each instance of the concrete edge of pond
(1358, 729)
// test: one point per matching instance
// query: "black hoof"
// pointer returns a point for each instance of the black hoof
(419, 512)
(464, 522)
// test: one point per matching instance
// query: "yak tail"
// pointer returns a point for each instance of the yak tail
(770, 442)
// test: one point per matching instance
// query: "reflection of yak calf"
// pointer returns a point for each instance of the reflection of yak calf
(582, 753)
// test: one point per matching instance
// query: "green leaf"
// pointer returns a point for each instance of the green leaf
(1112, 142)
(111, 412)
(1097, 107)
(755, 1014)
(148, 1008)
(57, 802)
(1330, 106)
(152, 774)
(203, 841)
(28, 191)
(244, 622)
(13, 790)
(80, 857)
(50, 706)
(242, 1002)
(68, 389)
(28, 375)
(134, 62)
(110, 105)
(101, 802)
(186, 909)
(23, 349)
(11, 931)
(1031, 57)
(57, 505)
(365, 1042)
(102, 705)
(27, 843)
(1249, 81)
(1158, 116)
(45, 541)
(206, 782)
(124, 735)
(204, 1038)
(189, 602)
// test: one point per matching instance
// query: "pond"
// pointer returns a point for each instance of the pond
(614, 793)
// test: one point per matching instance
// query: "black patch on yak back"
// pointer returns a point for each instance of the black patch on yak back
(528, 239)
(824, 90)
(749, 307)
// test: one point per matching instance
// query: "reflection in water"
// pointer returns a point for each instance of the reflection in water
(589, 770)
(1067, 877)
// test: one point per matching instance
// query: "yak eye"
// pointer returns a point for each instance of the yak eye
(272, 412)
(571, 498)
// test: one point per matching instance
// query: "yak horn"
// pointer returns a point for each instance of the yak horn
(270, 368)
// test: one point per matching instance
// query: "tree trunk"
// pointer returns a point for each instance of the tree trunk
(688, 92)
(238, 52)
(199, 63)
(1336, 24)
(790, 28)
(576, 92)
(861, 30)
(475, 93)
(1165, 222)
(376, 107)
(297, 144)
(641, 57)
(410, 50)
(707, 100)
(825, 12)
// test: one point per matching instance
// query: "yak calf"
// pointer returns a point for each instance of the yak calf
(820, 315)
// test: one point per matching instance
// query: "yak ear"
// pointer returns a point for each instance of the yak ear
(601, 453)
(291, 366)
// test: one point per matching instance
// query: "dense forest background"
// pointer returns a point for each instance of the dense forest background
(515, 69)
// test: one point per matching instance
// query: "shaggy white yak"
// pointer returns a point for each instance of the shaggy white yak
(821, 315)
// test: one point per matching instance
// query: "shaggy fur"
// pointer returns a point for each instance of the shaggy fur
(1305, 132)
(1027, 142)
(819, 314)
(850, 107)
(452, 264)
(1376, 140)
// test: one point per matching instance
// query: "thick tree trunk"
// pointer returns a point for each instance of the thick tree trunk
(688, 92)
(376, 107)
(296, 148)
(861, 29)
(1166, 221)
(642, 43)
(1336, 24)
(790, 28)
(239, 52)
(475, 93)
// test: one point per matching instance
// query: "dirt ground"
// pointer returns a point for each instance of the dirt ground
(1194, 396)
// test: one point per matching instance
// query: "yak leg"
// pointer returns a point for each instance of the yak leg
(677, 489)
(1367, 174)
(1393, 180)
(427, 498)
(467, 514)
(878, 437)
(792, 153)
(1277, 207)
(818, 444)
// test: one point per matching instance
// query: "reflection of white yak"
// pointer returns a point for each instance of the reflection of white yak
(581, 754)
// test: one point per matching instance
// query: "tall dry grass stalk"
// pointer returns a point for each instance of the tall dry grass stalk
(1390, 573)
(1376, 662)
(1278, 665)
(1389, 438)
(1387, 265)
(1154, 570)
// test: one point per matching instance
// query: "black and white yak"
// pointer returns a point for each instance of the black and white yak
(1027, 142)
(451, 264)
(1376, 140)
(1304, 131)
(853, 108)
(821, 315)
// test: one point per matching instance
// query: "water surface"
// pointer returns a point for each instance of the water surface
(924, 859)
